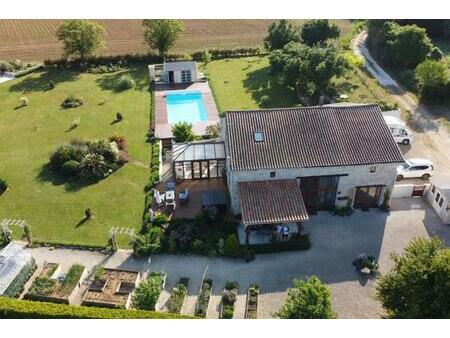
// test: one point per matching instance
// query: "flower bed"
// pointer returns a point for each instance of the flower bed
(251, 309)
(177, 296)
(229, 296)
(46, 286)
(201, 308)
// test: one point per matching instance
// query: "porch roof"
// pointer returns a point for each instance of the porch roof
(271, 202)
(200, 150)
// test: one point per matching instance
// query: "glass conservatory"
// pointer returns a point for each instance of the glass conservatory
(198, 160)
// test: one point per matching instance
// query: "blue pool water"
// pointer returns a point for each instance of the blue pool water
(185, 107)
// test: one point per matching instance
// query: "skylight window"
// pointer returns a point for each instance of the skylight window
(258, 136)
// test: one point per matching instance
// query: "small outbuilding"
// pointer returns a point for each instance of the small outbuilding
(16, 267)
(438, 195)
(180, 72)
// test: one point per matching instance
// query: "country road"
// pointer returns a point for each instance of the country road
(431, 135)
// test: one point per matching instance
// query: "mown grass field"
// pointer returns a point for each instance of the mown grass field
(30, 134)
(248, 83)
(35, 40)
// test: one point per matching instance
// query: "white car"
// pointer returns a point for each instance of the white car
(415, 167)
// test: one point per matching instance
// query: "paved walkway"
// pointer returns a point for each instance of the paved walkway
(336, 241)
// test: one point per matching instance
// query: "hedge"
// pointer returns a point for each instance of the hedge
(301, 243)
(129, 59)
(15, 309)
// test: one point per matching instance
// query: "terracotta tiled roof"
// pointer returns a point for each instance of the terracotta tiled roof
(271, 202)
(310, 137)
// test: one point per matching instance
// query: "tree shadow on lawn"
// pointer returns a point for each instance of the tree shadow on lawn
(42, 82)
(268, 91)
(140, 77)
(46, 174)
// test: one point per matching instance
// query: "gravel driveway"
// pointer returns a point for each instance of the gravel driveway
(336, 241)
(431, 135)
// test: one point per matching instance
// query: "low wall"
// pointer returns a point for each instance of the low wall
(402, 191)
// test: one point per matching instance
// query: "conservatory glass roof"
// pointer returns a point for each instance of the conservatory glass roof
(197, 151)
(12, 259)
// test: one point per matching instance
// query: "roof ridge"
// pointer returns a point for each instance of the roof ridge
(301, 108)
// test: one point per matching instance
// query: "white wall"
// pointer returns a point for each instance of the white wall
(385, 174)
(402, 191)
(443, 211)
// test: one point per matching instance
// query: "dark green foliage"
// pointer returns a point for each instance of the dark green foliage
(318, 31)
(3, 186)
(16, 287)
(418, 286)
(70, 168)
(280, 34)
(398, 46)
(15, 309)
(125, 82)
(42, 286)
(309, 69)
(71, 280)
(88, 160)
(81, 38)
(147, 293)
(436, 54)
(149, 243)
(203, 299)
(182, 132)
(177, 296)
(436, 28)
(300, 242)
(232, 248)
(229, 297)
(307, 299)
(72, 102)
(433, 80)
(161, 34)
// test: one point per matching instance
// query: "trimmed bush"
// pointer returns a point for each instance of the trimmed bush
(232, 248)
(148, 243)
(125, 82)
(70, 168)
(147, 293)
(17, 309)
(301, 242)
(72, 102)
(3, 186)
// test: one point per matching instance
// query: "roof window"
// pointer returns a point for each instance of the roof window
(258, 136)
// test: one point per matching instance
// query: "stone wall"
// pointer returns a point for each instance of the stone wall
(361, 175)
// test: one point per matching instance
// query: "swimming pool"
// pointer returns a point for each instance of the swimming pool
(185, 107)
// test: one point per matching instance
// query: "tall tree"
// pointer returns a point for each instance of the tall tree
(317, 31)
(81, 37)
(308, 299)
(407, 45)
(308, 68)
(280, 34)
(419, 284)
(162, 34)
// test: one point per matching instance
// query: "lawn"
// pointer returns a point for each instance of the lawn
(53, 209)
(247, 83)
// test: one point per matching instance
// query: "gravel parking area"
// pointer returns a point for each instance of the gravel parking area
(336, 241)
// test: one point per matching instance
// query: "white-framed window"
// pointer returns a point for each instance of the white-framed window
(186, 76)
(258, 136)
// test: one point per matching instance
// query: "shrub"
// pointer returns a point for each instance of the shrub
(93, 167)
(160, 220)
(125, 82)
(15, 309)
(436, 54)
(308, 299)
(23, 101)
(232, 248)
(433, 79)
(301, 242)
(177, 296)
(72, 102)
(119, 117)
(6, 67)
(182, 132)
(148, 243)
(75, 123)
(203, 299)
(70, 168)
(3, 186)
(228, 312)
(147, 293)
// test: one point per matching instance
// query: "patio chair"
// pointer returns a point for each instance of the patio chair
(183, 196)
(170, 186)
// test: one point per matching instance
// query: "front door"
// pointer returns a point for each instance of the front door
(171, 76)
(319, 192)
(367, 197)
